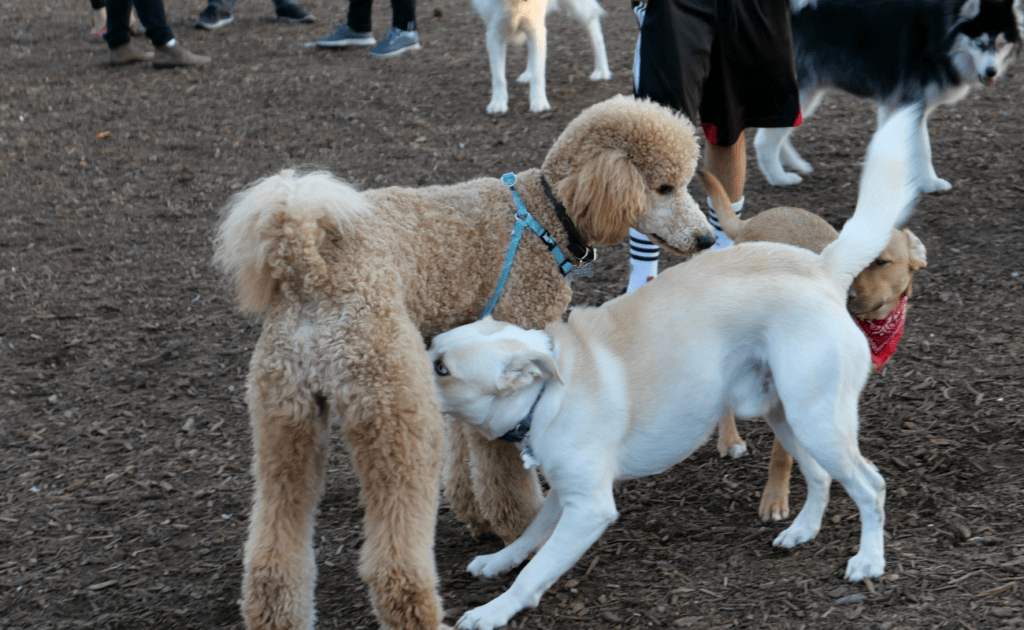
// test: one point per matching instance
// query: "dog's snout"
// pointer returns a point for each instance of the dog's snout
(705, 241)
(990, 72)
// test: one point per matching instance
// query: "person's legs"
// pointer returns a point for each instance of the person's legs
(729, 166)
(359, 16)
(151, 14)
(118, 15)
(403, 14)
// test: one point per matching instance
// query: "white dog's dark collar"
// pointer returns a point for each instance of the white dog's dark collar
(518, 432)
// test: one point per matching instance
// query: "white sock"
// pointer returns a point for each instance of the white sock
(643, 260)
(721, 238)
(171, 43)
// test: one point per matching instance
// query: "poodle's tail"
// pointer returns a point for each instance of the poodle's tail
(731, 224)
(889, 187)
(270, 236)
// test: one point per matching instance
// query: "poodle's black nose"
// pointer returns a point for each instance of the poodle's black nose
(705, 241)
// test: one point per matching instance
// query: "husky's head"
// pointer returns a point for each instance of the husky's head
(986, 38)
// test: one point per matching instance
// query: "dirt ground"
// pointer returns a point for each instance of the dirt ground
(123, 432)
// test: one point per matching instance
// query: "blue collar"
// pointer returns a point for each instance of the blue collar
(518, 432)
(524, 220)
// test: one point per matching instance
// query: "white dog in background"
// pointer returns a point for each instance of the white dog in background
(512, 21)
(635, 386)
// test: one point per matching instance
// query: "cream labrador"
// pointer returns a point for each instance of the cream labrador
(635, 386)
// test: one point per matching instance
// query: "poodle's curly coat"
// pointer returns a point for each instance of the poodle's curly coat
(350, 284)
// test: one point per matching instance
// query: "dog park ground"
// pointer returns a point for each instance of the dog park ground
(124, 484)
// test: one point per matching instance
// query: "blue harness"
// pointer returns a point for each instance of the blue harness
(524, 220)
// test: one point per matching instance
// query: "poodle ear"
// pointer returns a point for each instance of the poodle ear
(604, 197)
(524, 368)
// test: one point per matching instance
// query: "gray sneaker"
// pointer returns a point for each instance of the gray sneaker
(396, 42)
(345, 36)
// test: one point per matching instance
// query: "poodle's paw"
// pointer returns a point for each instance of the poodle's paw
(492, 564)
(525, 77)
(734, 450)
(774, 504)
(866, 564)
(540, 105)
(797, 533)
(497, 107)
(494, 614)
(601, 74)
(936, 184)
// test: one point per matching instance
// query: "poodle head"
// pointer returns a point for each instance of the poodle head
(626, 163)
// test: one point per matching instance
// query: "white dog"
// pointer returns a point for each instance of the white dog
(635, 386)
(512, 21)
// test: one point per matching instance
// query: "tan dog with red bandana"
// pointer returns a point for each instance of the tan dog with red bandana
(877, 302)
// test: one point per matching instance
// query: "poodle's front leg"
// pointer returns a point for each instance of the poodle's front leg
(290, 438)
(508, 495)
(457, 476)
(395, 435)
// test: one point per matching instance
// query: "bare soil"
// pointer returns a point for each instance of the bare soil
(124, 485)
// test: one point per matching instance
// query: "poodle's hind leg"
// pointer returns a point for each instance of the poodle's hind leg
(395, 436)
(290, 440)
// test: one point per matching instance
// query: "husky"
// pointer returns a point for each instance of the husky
(896, 52)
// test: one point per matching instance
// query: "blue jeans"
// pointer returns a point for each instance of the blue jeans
(151, 14)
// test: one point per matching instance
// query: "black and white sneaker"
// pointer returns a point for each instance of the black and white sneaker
(214, 17)
(293, 13)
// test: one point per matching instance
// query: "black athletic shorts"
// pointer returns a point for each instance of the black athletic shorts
(727, 64)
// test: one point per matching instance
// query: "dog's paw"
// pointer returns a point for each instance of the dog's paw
(540, 106)
(601, 74)
(734, 450)
(497, 107)
(936, 184)
(525, 77)
(494, 614)
(796, 534)
(797, 163)
(491, 565)
(865, 565)
(782, 178)
(774, 505)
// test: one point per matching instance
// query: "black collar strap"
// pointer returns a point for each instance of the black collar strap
(576, 246)
(518, 432)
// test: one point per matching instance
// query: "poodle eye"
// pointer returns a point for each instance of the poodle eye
(439, 368)
(666, 189)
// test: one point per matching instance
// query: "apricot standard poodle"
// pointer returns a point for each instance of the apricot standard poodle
(351, 284)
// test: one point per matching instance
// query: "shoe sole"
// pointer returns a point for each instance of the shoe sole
(322, 43)
(395, 53)
(215, 25)
(304, 20)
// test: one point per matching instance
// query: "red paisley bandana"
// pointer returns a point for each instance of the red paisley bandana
(884, 334)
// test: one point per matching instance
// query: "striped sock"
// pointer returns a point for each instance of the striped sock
(721, 238)
(643, 260)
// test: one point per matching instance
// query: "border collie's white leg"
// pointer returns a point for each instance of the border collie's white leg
(931, 181)
(537, 54)
(496, 49)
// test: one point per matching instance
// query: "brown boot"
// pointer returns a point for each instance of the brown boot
(176, 56)
(126, 54)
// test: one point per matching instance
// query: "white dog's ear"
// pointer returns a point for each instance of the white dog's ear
(523, 368)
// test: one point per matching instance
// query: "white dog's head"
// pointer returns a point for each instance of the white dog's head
(626, 163)
(488, 373)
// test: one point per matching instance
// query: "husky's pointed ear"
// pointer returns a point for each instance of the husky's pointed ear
(605, 196)
(969, 10)
(523, 368)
